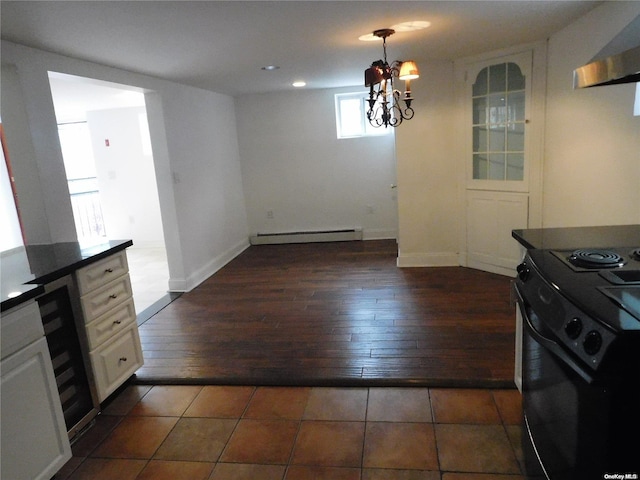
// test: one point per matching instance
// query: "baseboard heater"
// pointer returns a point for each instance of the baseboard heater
(345, 235)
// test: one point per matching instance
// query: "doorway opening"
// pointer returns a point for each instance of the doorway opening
(109, 165)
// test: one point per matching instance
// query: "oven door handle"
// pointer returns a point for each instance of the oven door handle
(548, 343)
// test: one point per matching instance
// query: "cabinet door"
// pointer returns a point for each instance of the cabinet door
(35, 444)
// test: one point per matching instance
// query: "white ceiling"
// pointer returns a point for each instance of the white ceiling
(222, 45)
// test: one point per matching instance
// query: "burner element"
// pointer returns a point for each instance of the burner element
(636, 254)
(596, 258)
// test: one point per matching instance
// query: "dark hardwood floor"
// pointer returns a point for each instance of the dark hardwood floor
(334, 314)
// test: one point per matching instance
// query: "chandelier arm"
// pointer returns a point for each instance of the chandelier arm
(397, 116)
(375, 119)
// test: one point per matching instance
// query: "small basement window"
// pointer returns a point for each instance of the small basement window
(351, 117)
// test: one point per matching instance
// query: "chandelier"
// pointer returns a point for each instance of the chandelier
(385, 102)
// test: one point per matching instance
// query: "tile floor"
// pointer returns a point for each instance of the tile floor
(254, 433)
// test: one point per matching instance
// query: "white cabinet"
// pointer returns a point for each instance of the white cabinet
(35, 444)
(110, 322)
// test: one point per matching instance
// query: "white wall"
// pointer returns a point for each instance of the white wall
(428, 180)
(202, 146)
(592, 139)
(34, 149)
(126, 176)
(9, 223)
(294, 165)
(195, 154)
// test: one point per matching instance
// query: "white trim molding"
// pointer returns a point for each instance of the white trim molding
(211, 267)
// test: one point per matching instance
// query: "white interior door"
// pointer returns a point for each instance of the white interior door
(497, 160)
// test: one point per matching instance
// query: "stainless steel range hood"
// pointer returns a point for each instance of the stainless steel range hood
(618, 62)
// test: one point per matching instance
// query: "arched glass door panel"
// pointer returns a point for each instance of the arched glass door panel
(498, 123)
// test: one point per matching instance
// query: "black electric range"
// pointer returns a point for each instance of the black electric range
(580, 362)
(578, 303)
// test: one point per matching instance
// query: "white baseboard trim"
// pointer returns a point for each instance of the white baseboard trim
(336, 235)
(178, 285)
(211, 267)
(486, 267)
(443, 259)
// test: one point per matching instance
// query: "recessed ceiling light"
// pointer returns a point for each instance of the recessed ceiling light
(270, 68)
(399, 27)
(299, 84)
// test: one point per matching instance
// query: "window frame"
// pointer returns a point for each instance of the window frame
(366, 129)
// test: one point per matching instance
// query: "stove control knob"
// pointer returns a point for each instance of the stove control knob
(523, 272)
(592, 342)
(573, 328)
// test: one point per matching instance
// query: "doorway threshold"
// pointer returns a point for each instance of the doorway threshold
(156, 306)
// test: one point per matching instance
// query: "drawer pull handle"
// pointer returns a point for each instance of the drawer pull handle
(123, 359)
(108, 270)
(117, 322)
(113, 295)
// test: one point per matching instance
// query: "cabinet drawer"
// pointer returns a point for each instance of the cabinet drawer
(20, 326)
(101, 272)
(116, 361)
(106, 297)
(110, 324)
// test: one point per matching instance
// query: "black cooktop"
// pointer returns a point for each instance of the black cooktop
(627, 298)
(604, 282)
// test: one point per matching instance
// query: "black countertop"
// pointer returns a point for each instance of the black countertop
(25, 270)
(572, 238)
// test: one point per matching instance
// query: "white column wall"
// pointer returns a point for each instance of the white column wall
(428, 180)
(195, 152)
